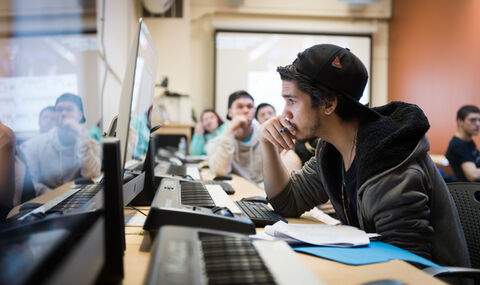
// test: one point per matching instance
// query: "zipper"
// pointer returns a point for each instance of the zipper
(343, 196)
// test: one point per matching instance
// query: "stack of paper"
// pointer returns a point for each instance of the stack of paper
(316, 234)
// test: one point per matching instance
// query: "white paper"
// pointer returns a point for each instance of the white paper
(319, 215)
(319, 234)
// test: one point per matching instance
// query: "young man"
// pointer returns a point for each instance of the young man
(65, 152)
(462, 153)
(237, 150)
(371, 163)
(48, 119)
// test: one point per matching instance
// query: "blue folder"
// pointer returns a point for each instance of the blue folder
(375, 252)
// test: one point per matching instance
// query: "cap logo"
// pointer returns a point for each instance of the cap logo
(336, 62)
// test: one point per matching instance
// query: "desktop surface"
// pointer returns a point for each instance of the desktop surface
(137, 255)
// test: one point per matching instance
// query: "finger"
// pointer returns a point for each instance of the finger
(287, 124)
(278, 137)
(273, 141)
(284, 133)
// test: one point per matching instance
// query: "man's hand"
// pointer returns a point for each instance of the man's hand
(279, 132)
(239, 126)
(199, 130)
(73, 125)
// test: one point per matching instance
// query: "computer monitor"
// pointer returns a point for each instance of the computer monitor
(52, 108)
(137, 96)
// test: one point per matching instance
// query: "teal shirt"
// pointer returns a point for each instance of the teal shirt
(197, 147)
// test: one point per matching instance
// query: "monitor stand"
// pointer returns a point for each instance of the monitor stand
(150, 186)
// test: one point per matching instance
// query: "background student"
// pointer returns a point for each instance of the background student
(48, 119)
(64, 153)
(264, 112)
(237, 150)
(7, 170)
(462, 153)
(207, 128)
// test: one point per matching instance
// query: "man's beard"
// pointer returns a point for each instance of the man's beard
(311, 130)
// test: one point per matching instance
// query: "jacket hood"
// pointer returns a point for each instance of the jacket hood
(390, 140)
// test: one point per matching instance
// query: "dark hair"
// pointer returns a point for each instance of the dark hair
(48, 108)
(75, 99)
(220, 121)
(235, 96)
(261, 106)
(464, 111)
(320, 95)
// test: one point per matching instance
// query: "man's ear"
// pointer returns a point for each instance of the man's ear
(330, 106)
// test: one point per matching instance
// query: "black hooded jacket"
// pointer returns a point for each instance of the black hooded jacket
(400, 193)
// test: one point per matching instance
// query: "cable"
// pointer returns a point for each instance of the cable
(138, 210)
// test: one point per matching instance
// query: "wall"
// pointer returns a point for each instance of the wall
(189, 62)
(435, 60)
(306, 15)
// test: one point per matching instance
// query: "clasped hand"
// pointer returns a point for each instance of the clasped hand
(278, 131)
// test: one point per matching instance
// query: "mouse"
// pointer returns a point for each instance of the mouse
(222, 211)
(258, 199)
(29, 206)
(226, 177)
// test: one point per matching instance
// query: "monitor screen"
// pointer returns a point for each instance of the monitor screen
(49, 100)
(133, 127)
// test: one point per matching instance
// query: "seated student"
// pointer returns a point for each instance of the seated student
(15, 183)
(264, 112)
(237, 150)
(48, 119)
(462, 153)
(64, 153)
(7, 170)
(371, 163)
(208, 127)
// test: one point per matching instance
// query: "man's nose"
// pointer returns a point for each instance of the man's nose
(287, 114)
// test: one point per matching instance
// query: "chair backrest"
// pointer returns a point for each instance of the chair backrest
(467, 199)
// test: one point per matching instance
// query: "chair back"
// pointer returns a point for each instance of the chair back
(467, 199)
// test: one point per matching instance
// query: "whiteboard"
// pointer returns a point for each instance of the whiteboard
(248, 61)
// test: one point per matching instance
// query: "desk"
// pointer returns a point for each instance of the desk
(176, 129)
(136, 258)
(137, 254)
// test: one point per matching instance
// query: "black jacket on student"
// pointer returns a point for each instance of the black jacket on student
(399, 192)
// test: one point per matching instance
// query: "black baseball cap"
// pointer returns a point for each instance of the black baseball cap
(334, 68)
(75, 99)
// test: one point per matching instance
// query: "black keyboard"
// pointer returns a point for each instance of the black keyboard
(185, 255)
(232, 260)
(79, 199)
(260, 214)
(169, 208)
(177, 170)
(195, 194)
(225, 186)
